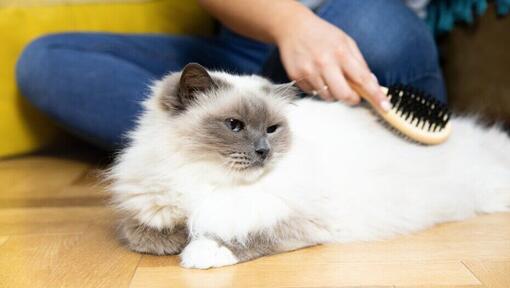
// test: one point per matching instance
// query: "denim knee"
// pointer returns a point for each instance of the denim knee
(409, 56)
(408, 52)
(32, 70)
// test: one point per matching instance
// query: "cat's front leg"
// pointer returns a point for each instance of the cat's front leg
(152, 221)
(145, 239)
(208, 252)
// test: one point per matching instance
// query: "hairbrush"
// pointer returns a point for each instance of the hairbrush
(415, 114)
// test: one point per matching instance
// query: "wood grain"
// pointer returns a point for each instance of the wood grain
(442, 286)
(263, 273)
(3, 239)
(92, 259)
(49, 220)
(494, 274)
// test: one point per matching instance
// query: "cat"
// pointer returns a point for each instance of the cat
(223, 169)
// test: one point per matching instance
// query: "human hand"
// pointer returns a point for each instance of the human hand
(321, 58)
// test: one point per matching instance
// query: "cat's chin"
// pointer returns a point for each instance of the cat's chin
(249, 175)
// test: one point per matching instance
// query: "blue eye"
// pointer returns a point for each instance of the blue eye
(272, 129)
(234, 124)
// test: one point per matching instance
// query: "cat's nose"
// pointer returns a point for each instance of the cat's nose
(262, 152)
(262, 148)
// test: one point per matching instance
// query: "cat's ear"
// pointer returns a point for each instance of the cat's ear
(194, 79)
(178, 90)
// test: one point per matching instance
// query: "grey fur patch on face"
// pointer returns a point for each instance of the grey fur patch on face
(262, 133)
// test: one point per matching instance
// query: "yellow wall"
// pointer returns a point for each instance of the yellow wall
(22, 128)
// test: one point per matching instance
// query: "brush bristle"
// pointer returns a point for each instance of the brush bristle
(418, 108)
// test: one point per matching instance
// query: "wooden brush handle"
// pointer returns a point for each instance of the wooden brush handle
(415, 133)
(363, 95)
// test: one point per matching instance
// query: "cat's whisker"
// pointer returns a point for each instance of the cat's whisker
(229, 164)
(237, 161)
(241, 165)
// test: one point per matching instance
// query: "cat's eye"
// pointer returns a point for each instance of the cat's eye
(272, 128)
(234, 124)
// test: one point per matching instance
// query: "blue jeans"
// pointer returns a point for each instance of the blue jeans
(92, 83)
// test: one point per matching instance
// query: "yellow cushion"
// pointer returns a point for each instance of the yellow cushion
(22, 128)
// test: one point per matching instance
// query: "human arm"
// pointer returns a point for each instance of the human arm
(314, 52)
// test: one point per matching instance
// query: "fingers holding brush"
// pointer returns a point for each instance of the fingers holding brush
(320, 88)
(314, 85)
(365, 82)
(338, 85)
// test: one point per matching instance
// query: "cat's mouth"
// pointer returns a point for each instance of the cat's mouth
(241, 162)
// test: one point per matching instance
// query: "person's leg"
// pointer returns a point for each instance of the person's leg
(396, 44)
(92, 84)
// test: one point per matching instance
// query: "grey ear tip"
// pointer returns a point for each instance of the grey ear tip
(193, 65)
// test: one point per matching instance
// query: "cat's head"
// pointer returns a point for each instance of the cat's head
(235, 122)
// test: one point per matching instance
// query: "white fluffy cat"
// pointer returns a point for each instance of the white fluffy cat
(223, 169)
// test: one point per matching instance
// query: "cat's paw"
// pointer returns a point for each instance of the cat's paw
(206, 253)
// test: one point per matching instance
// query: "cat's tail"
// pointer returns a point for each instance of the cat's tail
(492, 152)
(497, 200)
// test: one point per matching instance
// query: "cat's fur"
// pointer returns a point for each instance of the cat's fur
(188, 184)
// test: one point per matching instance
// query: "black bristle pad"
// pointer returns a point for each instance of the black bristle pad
(412, 104)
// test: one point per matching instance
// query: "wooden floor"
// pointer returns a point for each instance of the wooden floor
(55, 231)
